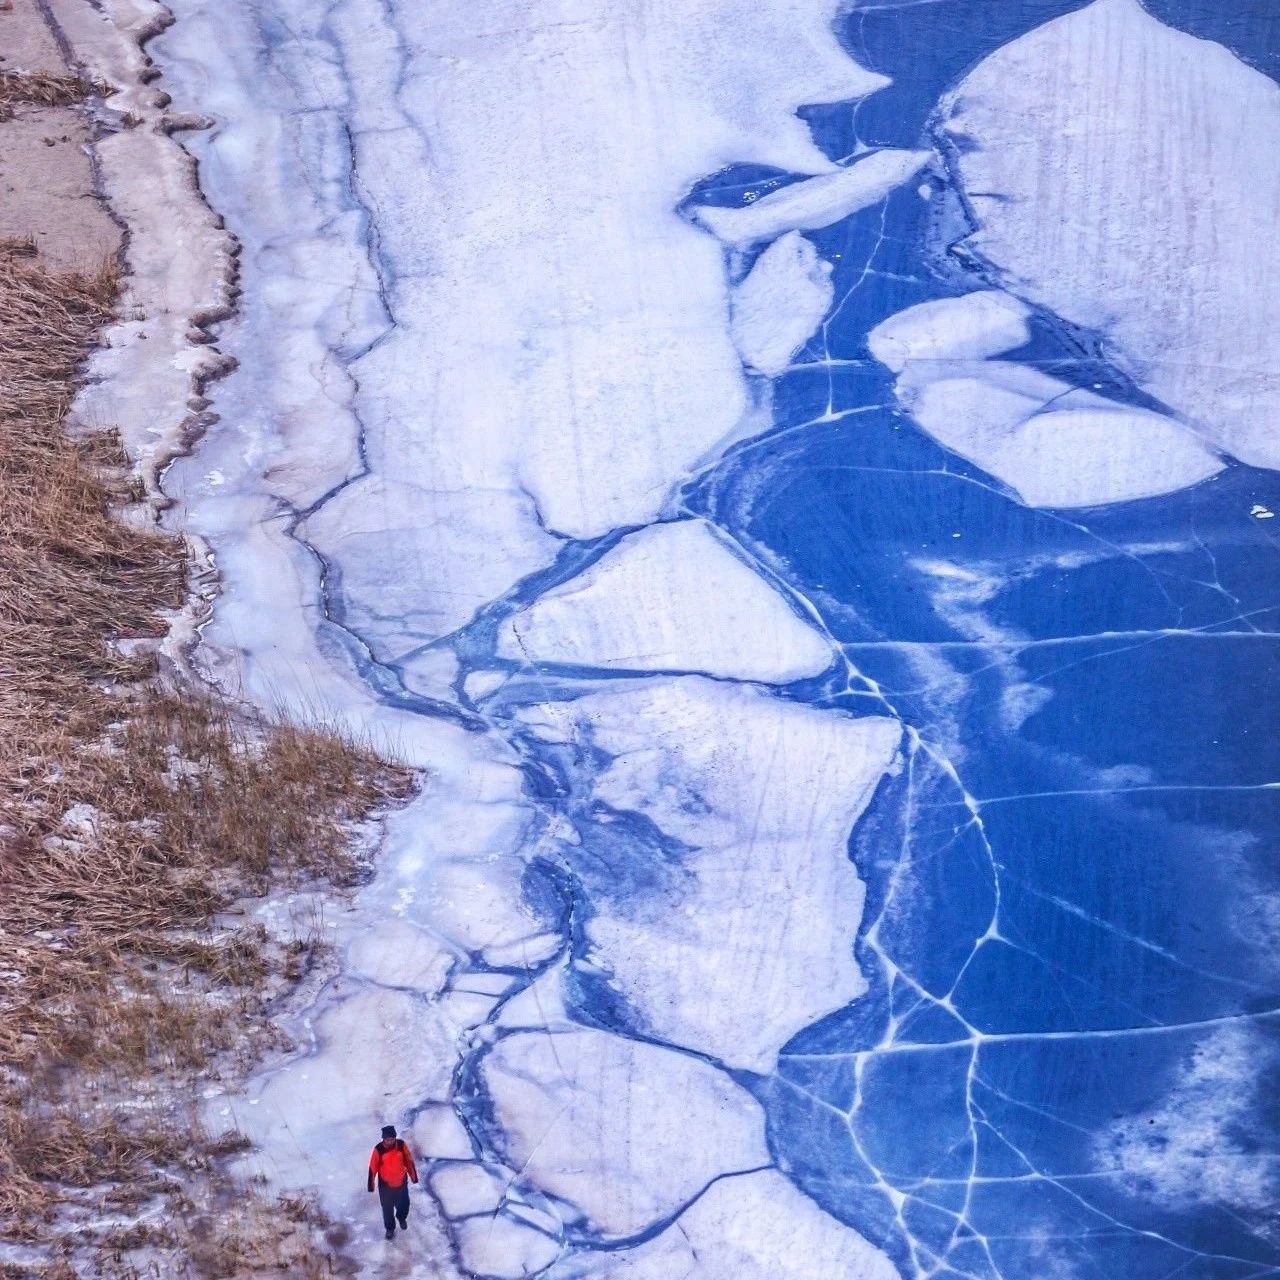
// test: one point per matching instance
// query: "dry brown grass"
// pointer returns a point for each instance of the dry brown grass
(42, 89)
(131, 817)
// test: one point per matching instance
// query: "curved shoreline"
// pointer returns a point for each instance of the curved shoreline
(159, 357)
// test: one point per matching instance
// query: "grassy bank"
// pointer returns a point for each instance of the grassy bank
(134, 817)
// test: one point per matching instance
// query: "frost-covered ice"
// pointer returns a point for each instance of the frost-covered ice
(1150, 221)
(780, 303)
(970, 327)
(754, 1227)
(672, 597)
(815, 202)
(1054, 444)
(1087, 457)
(625, 1131)
(756, 797)
(570, 396)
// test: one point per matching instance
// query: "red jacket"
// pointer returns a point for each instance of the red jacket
(391, 1164)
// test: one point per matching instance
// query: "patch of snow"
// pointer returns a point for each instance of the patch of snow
(672, 597)
(82, 819)
(815, 202)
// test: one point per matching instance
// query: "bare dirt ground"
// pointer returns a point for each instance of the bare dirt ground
(47, 188)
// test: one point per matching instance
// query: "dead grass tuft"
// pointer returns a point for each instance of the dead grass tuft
(42, 89)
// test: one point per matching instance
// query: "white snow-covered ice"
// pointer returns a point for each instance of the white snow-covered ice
(815, 202)
(754, 1227)
(1054, 444)
(969, 327)
(780, 303)
(468, 333)
(580, 363)
(1150, 222)
(596, 1119)
(755, 938)
(1091, 456)
(672, 597)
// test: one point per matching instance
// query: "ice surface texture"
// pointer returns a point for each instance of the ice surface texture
(672, 597)
(828, 861)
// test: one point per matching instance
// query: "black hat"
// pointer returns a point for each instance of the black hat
(388, 1131)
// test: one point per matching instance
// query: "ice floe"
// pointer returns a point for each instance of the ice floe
(972, 326)
(751, 936)
(1054, 444)
(780, 303)
(1149, 221)
(1090, 456)
(815, 202)
(672, 597)
(625, 1131)
(494, 1245)
(754, 1227)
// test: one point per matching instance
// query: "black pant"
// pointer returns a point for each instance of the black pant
(395, 1203)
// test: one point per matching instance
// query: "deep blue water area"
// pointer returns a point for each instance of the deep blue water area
(1066, 1064)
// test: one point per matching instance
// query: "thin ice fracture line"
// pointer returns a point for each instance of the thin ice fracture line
(1031, 1037)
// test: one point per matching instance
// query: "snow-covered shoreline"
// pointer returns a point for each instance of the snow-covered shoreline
(332, 602)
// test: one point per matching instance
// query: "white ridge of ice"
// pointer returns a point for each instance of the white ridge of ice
(597, 1119)
(753, 1227)
(970, 327)
(753, 939)
(672, 597)
(815, 202)
(1151, 221)
(780, 303)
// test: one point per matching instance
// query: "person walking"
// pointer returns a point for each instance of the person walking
(391, 1164)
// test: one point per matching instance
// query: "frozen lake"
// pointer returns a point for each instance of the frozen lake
(799, 480)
